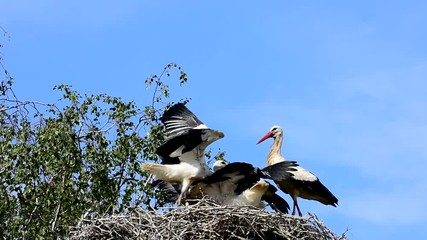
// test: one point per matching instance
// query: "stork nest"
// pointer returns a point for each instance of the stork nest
(204, 220)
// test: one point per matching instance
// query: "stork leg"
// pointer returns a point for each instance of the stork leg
(185, 186)
(296, 207)
(178, 202)
(299, 211)
(293, 208)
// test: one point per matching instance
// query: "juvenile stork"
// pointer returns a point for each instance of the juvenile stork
(303, 183)
(183, 150)
(238, 184)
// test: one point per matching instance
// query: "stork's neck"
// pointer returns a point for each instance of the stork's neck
(275, 155)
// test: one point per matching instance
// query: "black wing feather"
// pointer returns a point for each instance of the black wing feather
(178, 119)
(282, 170)
(275, 201)
(242, 169)
(318, 189)
(279, 171)
(218, 176)
(170, 191)
(189, 140)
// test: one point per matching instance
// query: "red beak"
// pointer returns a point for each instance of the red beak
(268, 135)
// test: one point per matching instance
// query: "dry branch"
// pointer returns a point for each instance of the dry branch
(204, 220)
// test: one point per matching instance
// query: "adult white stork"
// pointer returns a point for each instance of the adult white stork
(303, 183)
(183, 150)
(238, 184)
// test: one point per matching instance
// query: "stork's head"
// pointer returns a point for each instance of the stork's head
(220, 163)
(274, 132)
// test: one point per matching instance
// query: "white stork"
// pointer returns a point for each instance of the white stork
(238, 184)
(303, 183)
(183, 150)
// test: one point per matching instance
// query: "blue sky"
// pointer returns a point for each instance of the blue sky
(346, 80)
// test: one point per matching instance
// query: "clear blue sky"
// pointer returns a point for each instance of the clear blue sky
(346, 80)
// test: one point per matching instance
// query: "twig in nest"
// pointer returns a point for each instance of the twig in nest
(204, 220)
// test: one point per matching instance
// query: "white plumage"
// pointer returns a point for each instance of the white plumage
(303, 183)
(249, 197)
(239, 184)
(183, 150)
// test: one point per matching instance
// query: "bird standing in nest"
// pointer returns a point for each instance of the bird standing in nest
(183, 151)
(303, 183)
(238, 184)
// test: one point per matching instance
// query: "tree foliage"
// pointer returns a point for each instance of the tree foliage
(79, 157)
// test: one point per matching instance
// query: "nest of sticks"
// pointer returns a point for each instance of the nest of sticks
(203, 220)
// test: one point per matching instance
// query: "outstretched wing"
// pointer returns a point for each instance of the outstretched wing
(179, 119)
(280, 171)
(185, 132)
(242, 175)
(174, 147)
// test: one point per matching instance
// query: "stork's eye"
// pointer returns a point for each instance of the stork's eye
(274, 129)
